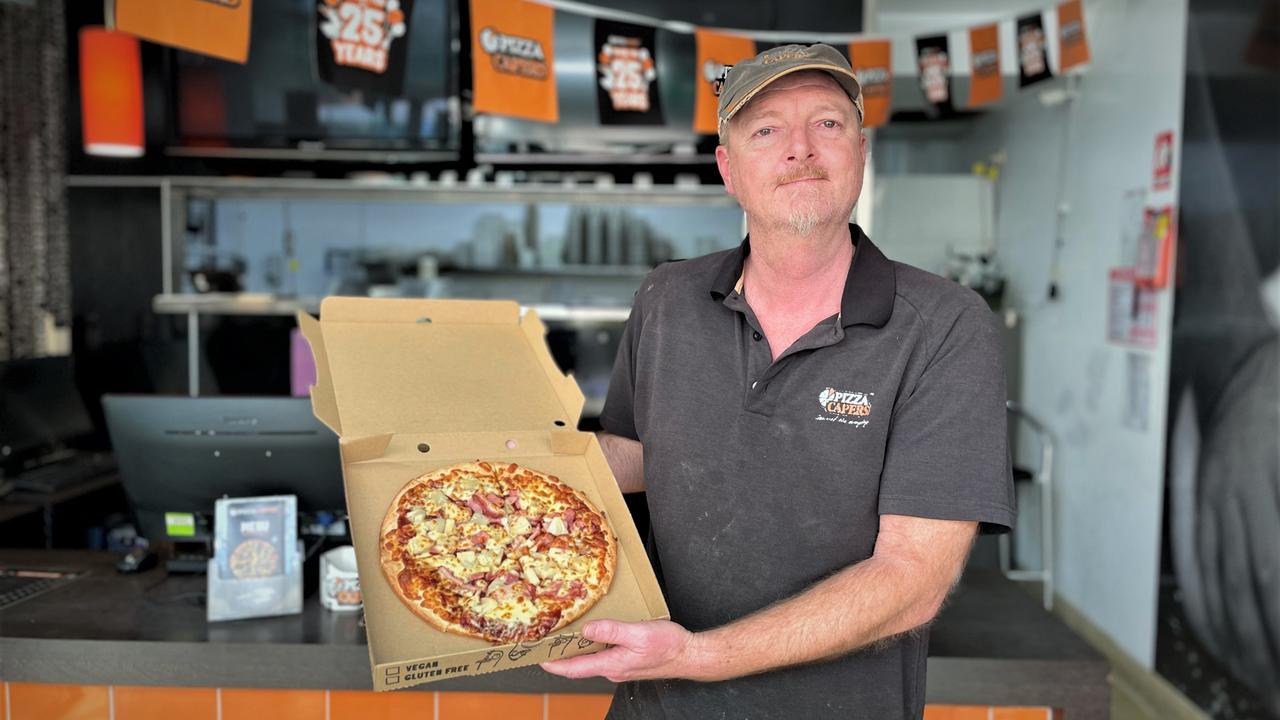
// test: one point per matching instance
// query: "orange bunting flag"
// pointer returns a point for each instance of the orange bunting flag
(715, 52)
(870, 60)
(1071, 37)
(209, 27)
(512, 58)
(985, 83)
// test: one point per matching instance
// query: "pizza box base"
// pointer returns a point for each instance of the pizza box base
(407, 398)
(404, 650)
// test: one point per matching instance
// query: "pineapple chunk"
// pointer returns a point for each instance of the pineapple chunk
(520, 526)
(556, 526)
(419, 545)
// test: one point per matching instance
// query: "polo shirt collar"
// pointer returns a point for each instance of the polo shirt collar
(869, 288)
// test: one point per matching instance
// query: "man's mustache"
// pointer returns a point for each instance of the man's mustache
(804, 172)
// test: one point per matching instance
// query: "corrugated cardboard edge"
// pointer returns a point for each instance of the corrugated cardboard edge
(571, 397)
(324, 403)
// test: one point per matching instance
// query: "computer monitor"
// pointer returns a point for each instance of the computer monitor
(179, 454)
(40, 410)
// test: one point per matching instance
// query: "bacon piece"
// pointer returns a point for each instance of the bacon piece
(492, 499)
(481, 505)
(479, 538)
(568, 516)
(447, 574)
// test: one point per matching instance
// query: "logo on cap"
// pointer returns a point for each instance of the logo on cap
(786, 54)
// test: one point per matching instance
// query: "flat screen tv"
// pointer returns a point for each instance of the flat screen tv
(279, 103)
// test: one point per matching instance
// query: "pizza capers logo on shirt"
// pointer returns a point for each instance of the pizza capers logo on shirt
(846, 407)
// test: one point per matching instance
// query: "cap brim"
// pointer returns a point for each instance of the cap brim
(848, 81)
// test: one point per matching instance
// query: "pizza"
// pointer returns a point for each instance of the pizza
(254, 558)
(496, 551)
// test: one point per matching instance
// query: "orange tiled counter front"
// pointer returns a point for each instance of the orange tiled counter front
(38, 701)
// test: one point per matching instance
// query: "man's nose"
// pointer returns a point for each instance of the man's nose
(800, 145)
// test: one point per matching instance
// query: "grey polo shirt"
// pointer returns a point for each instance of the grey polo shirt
(764, 477)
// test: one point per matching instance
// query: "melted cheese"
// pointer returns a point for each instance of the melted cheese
(444, 523)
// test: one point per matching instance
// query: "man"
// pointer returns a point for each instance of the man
(820, 432)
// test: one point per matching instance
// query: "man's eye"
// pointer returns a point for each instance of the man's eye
(830, 124)
(763, 131)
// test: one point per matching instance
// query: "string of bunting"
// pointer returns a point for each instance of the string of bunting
(363, 44)
(513, 46)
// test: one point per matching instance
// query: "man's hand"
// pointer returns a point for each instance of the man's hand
(641, 651)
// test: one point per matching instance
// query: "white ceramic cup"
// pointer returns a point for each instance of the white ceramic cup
(339, 583)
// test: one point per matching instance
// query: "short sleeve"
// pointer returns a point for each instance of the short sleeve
(618, 416)
(947, 454)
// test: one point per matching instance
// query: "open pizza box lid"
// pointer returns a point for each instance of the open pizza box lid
(410, 386)
(405, 365)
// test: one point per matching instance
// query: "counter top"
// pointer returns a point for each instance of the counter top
(992, 644)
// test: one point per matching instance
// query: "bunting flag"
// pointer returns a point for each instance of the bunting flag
(934, 64)
(627, 74)
(362, 44)
(1033, 56)
(985, 84)
(512, 56)
(871, 64)
(219, 29)
(1074, 46)
(715, 51)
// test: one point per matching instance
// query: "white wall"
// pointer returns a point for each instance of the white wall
(1110, 473)
(1109, 469)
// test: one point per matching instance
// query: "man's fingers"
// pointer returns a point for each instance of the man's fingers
(583, 665)
(612, 632)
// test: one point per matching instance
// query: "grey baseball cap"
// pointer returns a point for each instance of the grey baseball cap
(743, 81)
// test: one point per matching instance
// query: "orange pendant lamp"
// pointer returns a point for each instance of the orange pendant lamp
(111, 93)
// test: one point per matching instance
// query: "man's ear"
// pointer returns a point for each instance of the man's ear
(722, 162)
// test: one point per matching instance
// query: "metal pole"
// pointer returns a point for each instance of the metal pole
(193, 353)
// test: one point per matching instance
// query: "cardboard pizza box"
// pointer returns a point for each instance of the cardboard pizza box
(410, 386)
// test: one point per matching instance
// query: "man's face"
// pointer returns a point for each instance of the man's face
(795, 154)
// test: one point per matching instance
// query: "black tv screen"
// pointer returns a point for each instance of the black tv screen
(280, 100)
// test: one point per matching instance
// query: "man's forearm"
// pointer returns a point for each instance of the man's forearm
(880, 597)
(626, 460)
(855, 607)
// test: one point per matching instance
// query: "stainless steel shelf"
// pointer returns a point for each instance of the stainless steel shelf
(601, 158)
(399, 190)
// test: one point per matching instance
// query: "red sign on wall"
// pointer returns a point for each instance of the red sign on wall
(1163, 161)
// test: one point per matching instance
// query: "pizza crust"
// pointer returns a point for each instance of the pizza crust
(392, 565)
